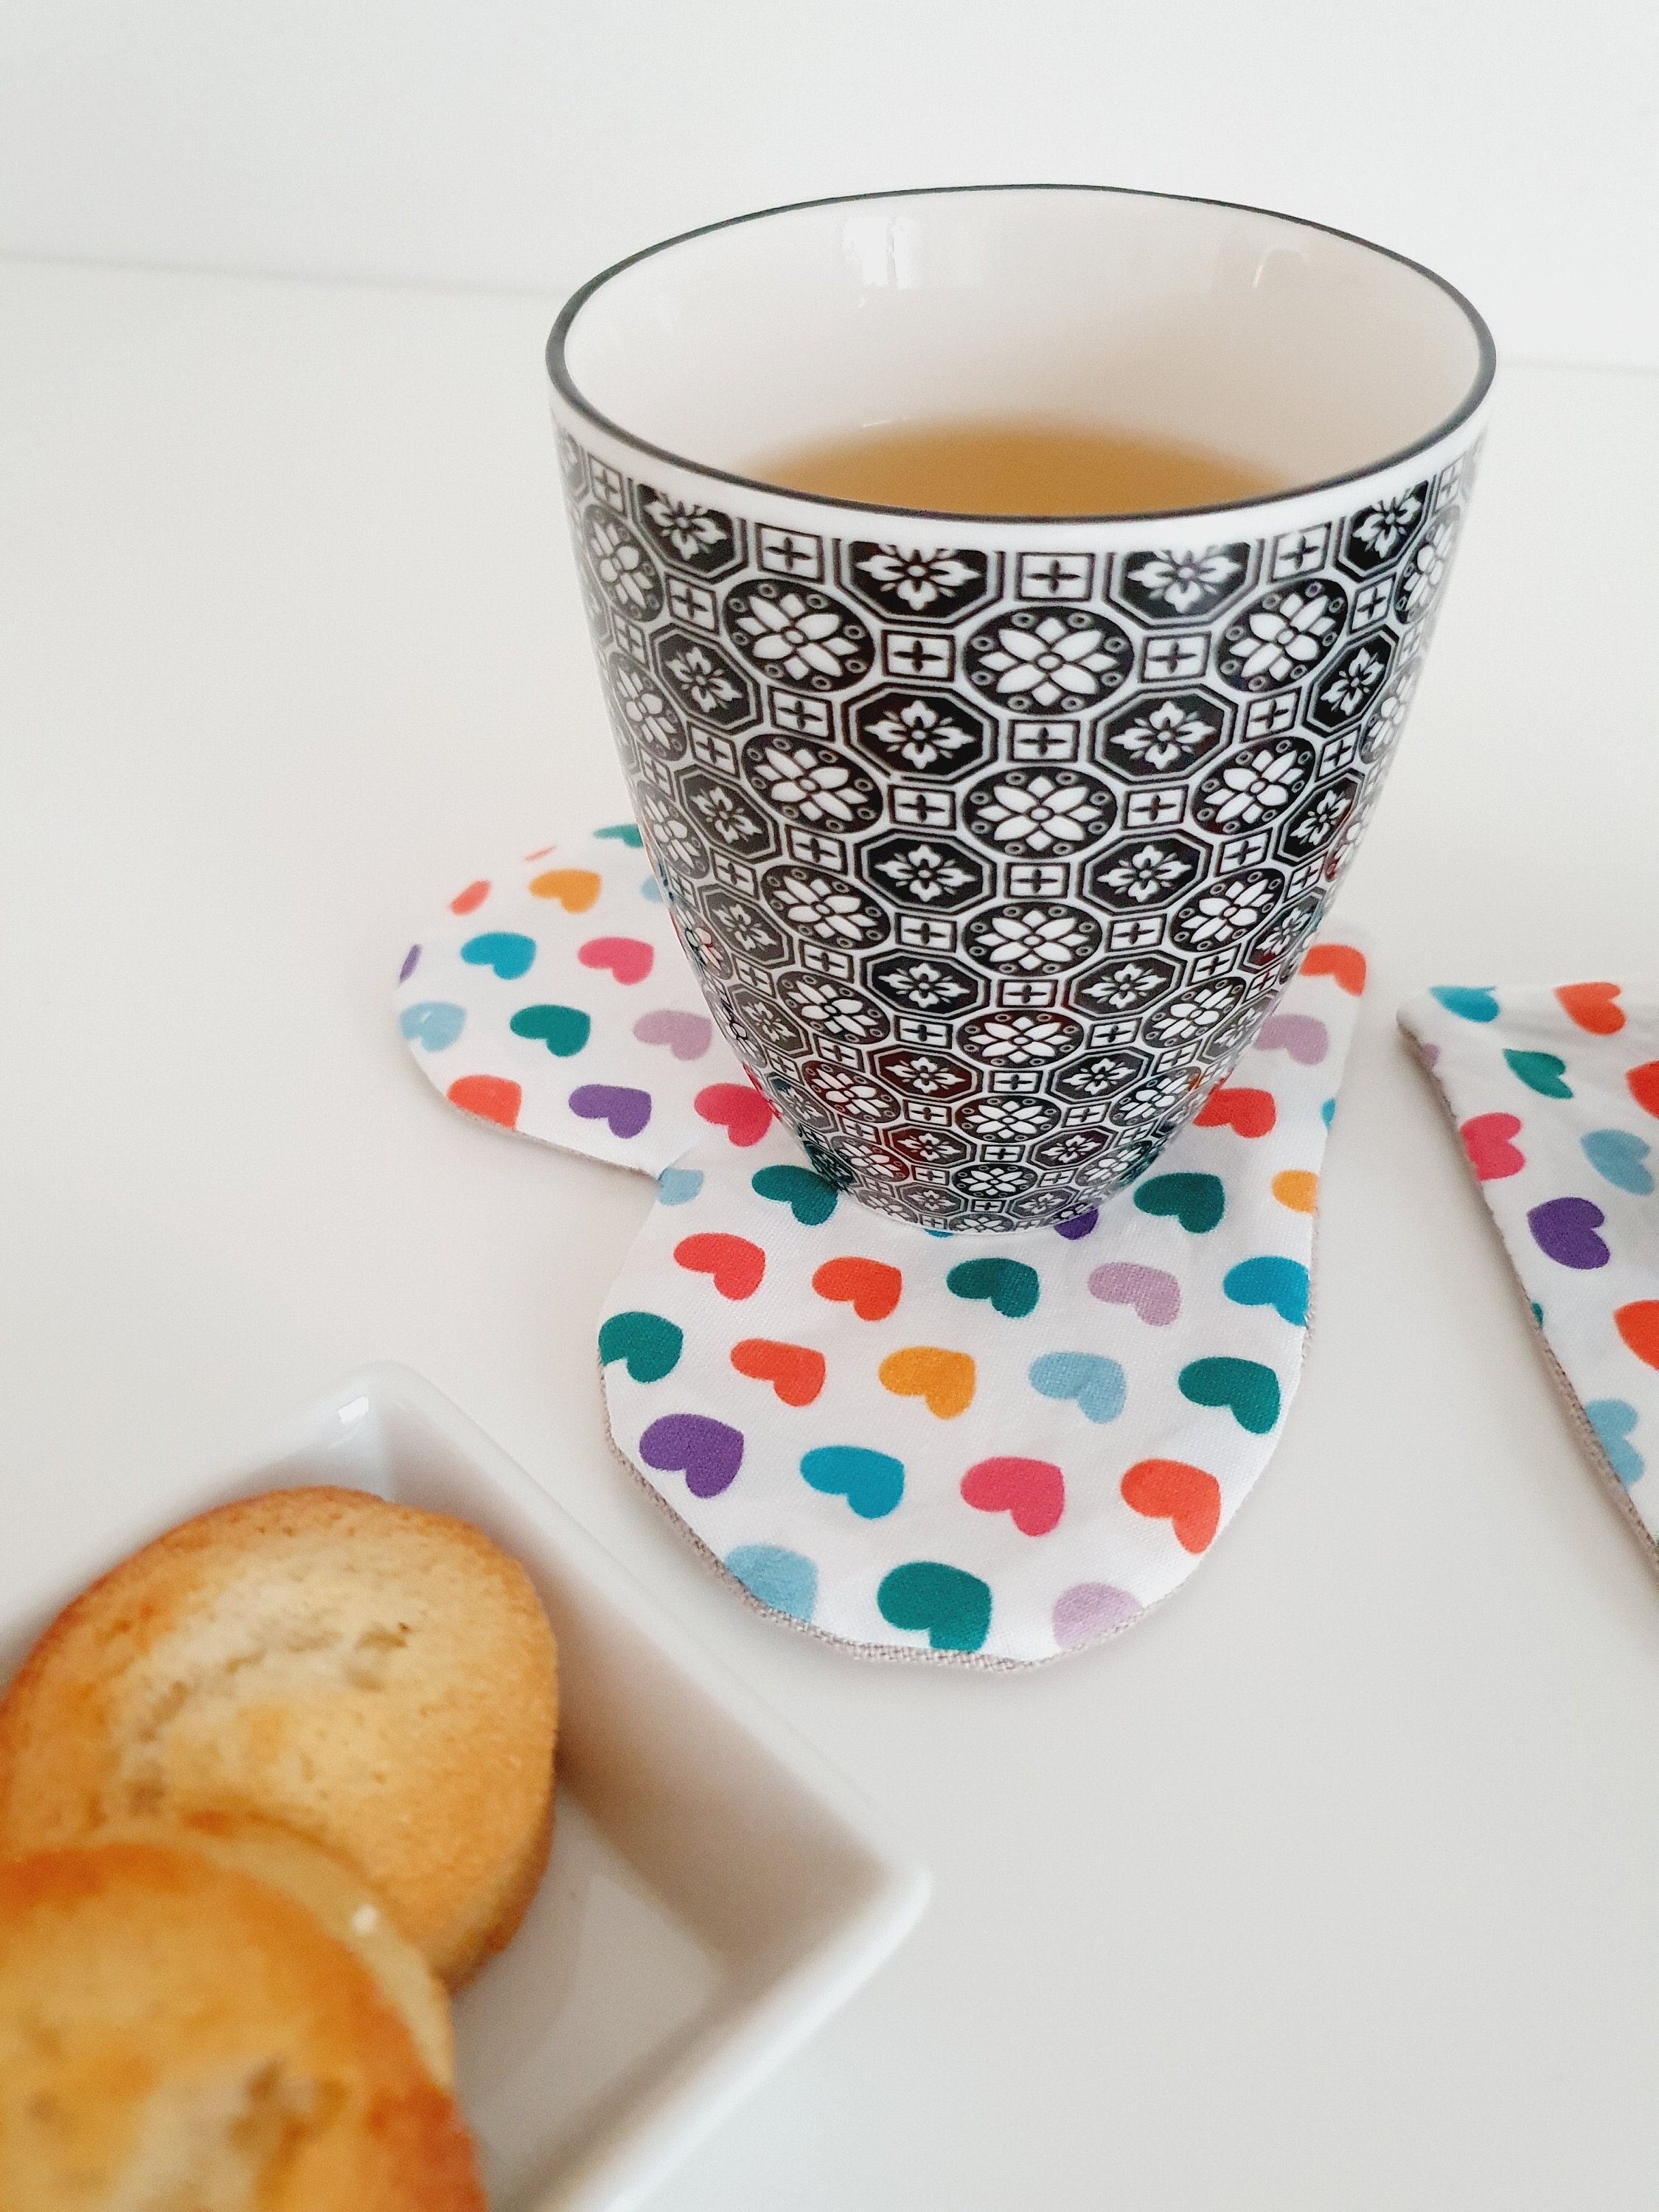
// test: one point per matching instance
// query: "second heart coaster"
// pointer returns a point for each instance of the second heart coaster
(987, 1450)
(1555, 1094)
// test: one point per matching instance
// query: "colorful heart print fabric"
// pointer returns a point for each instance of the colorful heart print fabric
(552, 997)
(989, 1449)
(1555, 1095)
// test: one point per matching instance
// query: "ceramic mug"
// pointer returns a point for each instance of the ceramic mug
(994, 840)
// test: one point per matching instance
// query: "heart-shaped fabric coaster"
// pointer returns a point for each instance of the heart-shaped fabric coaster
(1555, 1095)
(552, 997)
(988, 1450)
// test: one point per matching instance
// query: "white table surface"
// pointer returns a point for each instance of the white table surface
(1331, 1885)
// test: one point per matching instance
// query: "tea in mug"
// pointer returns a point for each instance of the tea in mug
(1014, 467)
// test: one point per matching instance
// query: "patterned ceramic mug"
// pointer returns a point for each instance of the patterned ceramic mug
(994, 839)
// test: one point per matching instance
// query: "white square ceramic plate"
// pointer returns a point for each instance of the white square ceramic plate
(715, 1889)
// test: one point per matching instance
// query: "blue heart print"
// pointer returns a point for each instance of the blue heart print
(1619, 1158)
(504, 951)
(1469, 1002)
(786, 1581)
(1612, 1419)
(1093, 1384)
(1270, 1280)
(435, 1025)
(871, 1482)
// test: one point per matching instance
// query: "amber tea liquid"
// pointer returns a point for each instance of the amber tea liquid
(1012, 467)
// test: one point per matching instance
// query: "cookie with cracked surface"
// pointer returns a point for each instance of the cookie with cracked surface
(378, 1679)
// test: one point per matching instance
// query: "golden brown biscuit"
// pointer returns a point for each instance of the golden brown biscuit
(340, 1900)
(378, 1679)
(178, 2036)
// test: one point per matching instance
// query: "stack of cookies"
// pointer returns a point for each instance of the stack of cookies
(267, 1789)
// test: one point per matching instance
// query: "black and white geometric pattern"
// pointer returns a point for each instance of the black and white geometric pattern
(991, 863)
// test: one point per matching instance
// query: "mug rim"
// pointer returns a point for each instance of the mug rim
(1466, 408)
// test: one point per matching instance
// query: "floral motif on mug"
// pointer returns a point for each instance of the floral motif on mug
(703, 681)
(1195, 1012)
(1380, 532)
(641, 708)
(1253, 786)
(763, 1019)
(1388, 717)
(826, 909)
(1286, 934)
(989, 1181)
(812, 783)
(1126, 987)
(1099, 1076)
(919, 983)
(935, 581)
(1014, 1039)
(1051, 662)
(930, 1075)
(693, 536)
(847, 1091)
(874, 1159)
(1032, 940)
(1034, 812)
(1420, 579)
(1319, 817)
(1282, 635)
(832, 1008)
(1151, 1109)
(798, 634)
(1355, 676)
(1226, 910)
(1071, 1148)
(930, 873)
(675, 843)
(1141, 873)
(1009, 1120)
(929, 1147)
(572, 465)
(1163, 736)
(623, 568)
(745, 927)
(1163, 586)
(726, 815)
(908, 731)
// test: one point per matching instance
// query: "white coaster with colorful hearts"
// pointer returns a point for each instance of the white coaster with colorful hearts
(553, 998)
(990, 1449)
(1555, 1094)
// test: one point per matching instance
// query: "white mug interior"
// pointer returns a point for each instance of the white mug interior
(1307, 355)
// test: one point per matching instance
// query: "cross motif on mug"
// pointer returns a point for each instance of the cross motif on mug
(825, 961)
(1055, 575)
(1044, 741)
(1297, 551)
(1168, 657)
(1154, 809)
(808, 718)
(692, 603)
(1245, 851)
(910, 652)
(790, 553)
(1370, 602)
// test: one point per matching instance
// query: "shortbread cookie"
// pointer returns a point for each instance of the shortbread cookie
(378, 1679)
(340, 1900)
(175, 2033)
